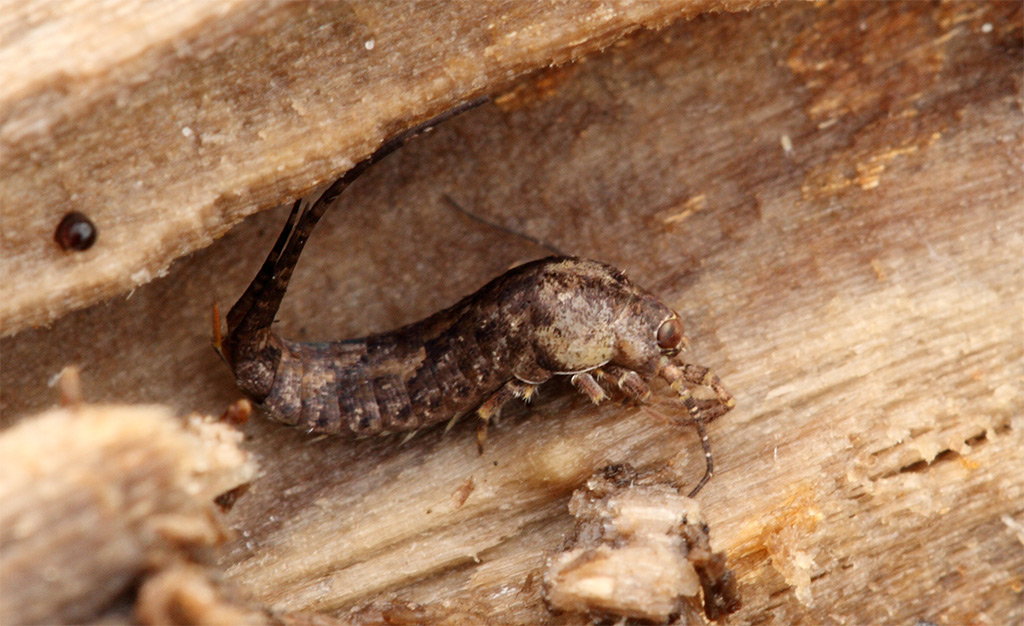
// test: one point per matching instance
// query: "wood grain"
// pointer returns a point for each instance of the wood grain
(168, 122)
(96, 497)
(831, 197)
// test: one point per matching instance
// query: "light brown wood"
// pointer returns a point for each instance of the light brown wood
(167, 123)
(96, 496)
(831, 197)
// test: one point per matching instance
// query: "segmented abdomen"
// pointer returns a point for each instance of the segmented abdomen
(422, 374)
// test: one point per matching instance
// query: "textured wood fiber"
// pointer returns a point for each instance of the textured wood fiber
(96, 497)
(831, 197)
(168, 122)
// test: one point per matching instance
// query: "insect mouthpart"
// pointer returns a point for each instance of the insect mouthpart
(683, 346)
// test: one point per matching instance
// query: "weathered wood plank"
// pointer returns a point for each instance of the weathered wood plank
(830, 195)
(167, 123)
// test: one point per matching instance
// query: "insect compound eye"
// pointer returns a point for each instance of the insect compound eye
(75, 232)
(670, 334)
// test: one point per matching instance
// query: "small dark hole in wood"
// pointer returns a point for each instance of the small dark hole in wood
(979, 438)
(917, 467)
(75, 232)
(922, 466)
(227, 499)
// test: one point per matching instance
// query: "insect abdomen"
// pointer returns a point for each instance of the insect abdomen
(305, 389)
(392, 382)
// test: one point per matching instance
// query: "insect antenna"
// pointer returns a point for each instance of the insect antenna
(700, 425)
(709, 463)
(505, 229)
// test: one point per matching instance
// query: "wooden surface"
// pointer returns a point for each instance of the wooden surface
(97, 498)
(168, 122)
(831, 197)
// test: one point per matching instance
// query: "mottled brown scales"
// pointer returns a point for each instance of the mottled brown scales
(559, 316)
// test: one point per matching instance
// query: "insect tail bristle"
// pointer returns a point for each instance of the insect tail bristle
(218, 339)
(264, 277)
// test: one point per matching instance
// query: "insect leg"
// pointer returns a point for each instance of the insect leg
(492, 407)
(627, 380)
(678, 373)
(589, 387)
